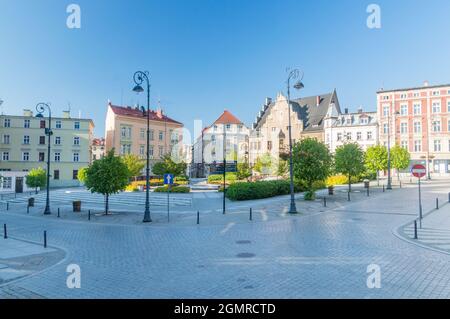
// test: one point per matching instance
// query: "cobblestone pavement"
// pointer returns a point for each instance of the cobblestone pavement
(319, 255)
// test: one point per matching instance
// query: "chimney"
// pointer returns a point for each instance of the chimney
(346, 110)
(318, 100)
(426, 83)
(27, 112)
(66, 114)
(159, 113)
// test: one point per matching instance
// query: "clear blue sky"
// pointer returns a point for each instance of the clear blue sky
(208, 55)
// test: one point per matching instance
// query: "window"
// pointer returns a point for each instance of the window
(58, 140)
(274, 129)
(436, 107)
(385, 111)
(142, 134)
(404, 109)
(161, 151)
(123, 131)
(417, 127)
(448, 105)
(41, 156)
(417, 108)
(161, 135)
(75, 174)
(7, 182)
(6, 139)
(150, 151)
(56, 174)
(359, 136)
(151, 135)
(436, 126)
(213, 138)
(76, 157)
(403, 128)
(269, 145)
(57, 157)
(403, 96)
(369, 135)
(76, 140)
(416, 94)
(417, 146)
(349, 136)
(42, 124)
(5, 156)
(26, 123)
(142, 150)
(385, 97)
(437, 145)
(26, 139)
(7, 123)
(215, 128)
(228, 126)
(42, 140)
(25, 156)
(385, 128)
(339, 136)
(436, 93)
(364, 120)
(240, 127)
(76, 125)
(125, 149)
(58, 124)
(404, 144)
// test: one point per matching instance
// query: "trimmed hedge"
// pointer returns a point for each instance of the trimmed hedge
(230, 178)
(176, 189)
(258, 190)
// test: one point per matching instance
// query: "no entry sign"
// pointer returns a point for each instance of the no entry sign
(419, 171)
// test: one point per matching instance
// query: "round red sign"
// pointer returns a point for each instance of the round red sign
(419, 170)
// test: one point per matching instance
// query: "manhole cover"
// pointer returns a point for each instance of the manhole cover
(243, 242)
(245, 255)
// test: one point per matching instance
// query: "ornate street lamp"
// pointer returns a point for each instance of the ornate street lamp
(40, 108)
(293, 75)
(139, 77)
(389, 182)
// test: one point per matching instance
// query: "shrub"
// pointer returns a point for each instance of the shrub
(257, 190)
(336, 180)
(230, 178)
(175, 189)
(310, 195)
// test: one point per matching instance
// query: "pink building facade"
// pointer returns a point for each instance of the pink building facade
(418, 119)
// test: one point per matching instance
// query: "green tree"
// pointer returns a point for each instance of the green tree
(266, 165)
(82, 174)
(107, 176)
(37, 177)
(376, 159)
(400, 159)
(283, 167)
(168, 166)
(349, 161)
(312, 163)
(243, 171)
(134, 164)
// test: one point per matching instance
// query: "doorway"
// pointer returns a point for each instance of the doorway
(19, 184)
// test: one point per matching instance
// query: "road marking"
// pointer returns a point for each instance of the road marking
(227, 228)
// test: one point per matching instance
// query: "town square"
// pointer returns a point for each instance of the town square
(202, 160)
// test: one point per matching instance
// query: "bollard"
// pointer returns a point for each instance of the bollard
(89, 214)
(324, 202)
(198, 217)
(5, 234)
(251, 214)
(437, 203)
(7, 205)
(368, 192)
(415, 229)
(58, 212)
(348, 196)
(383, 188)
(45, 239)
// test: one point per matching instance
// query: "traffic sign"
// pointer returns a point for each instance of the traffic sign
(418, 170)
(168, 179)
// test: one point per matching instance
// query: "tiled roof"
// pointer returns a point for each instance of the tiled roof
(227, 118)
(134, 112)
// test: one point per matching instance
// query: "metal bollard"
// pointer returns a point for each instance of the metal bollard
(383, 188)
(251, 214)
(7, 205)
(368, 192)
(415, 229)
(5, 234)
(58, 212)
(198, 217)
(437, 203)
(89, 214)
(324, 202)
(45, 239)
(348, 196)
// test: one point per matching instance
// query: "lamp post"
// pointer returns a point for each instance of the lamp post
(389, 182)
(40, 108)
(293, 75)
(224, 164)
(139, 77)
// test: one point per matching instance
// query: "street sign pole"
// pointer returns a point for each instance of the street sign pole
(168, 203)
(168, 180)
(420, 205)
(419, 171)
